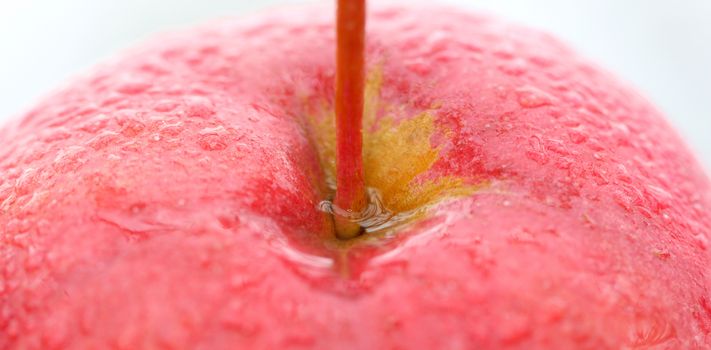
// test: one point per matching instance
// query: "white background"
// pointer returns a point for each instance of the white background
(662, 47)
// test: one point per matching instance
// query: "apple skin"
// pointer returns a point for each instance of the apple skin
(166, 200)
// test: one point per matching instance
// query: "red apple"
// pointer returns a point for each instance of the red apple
(169, 198)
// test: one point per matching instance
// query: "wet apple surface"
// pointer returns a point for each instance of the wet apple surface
(170, 197)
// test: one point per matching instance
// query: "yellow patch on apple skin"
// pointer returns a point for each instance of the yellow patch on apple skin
(396, 155)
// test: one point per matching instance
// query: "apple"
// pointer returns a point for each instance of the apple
(526, 199)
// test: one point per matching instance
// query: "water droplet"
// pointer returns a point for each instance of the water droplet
(564, 163)
(622, 128)
(94, 124)
(199, 107)
(241, 282)
(137, 208)
(69, 159)
(541, 60)
(13, 329)
(570, 122)
(524, 236)
(436, 42)
(537, 157)
(557, 146)
(600, 176)
(623, 200)
(650, 332)
(214, 138)
(171, 129)
(516, 67)
(56, 134)
(235, 320)
(86, 109)
(504, 51)
(102, 140)
(34, 259)
(515, 328)
(153, 68)
(18, 225)
(701, 241)
(27, 181)
(561, 85)
(536, 152)
(531, 97)
(660, 198)
(470, 46)
(577, 137)
(419, 66)
(228, 221)
(20, 240)
(133, 87)
(131, 127)
(595, 144)
(661, 254)
(111, 99)
(165, 106)
(135, 220)
(594, 107)
(212, 142)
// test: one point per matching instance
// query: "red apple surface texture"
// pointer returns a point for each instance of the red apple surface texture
(168, 198)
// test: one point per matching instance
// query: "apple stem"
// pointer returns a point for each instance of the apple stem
(350, 80)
